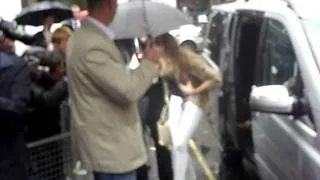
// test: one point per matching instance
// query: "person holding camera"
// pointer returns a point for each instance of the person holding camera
(49, 90)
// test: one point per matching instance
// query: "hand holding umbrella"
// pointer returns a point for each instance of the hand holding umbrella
(151, 52)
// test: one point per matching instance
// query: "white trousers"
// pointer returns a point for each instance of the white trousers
(183, 121)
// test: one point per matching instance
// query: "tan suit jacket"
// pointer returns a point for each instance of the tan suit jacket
(106, 126)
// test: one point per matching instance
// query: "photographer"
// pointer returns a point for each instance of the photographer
(14, 96)
(48, 92)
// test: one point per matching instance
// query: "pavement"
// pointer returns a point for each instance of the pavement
(207, 140)
(204, 147)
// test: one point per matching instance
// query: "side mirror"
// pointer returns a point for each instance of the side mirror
(272, 99)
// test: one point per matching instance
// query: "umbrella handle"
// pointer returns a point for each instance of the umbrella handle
(149, 42)
(150, 37)
(146, 20)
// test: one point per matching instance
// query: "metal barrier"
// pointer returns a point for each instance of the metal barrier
(51, 158)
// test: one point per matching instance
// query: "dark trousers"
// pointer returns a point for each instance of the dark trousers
(142, 173)
(154, 110)
(106, 176)
(13, 156)
(150, 108)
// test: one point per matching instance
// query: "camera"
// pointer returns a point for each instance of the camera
(2, 36)
(10, 30)
(38, 63)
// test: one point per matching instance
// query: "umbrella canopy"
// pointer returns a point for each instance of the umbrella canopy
(141, 18)
(34, 14)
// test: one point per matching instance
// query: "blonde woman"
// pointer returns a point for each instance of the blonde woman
(60, 38)
(195, 78)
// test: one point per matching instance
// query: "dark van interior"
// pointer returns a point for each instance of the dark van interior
(246, 44)
(236, 112)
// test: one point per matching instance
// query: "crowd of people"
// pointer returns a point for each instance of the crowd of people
(111, 104)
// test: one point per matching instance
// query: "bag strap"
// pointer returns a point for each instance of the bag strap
(165, 91)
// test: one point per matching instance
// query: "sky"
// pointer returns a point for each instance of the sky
(9, 9)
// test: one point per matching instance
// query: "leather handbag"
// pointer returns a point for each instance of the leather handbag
(164, 132)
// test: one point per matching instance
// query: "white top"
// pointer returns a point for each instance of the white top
(134, 63)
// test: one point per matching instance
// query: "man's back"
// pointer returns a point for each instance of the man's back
(105, 118)
(14, 95)
(14, 91)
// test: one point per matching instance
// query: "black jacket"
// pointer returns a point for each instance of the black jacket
(14, 95)
(39, 40)
(44, 116)
(14, 91)
(12, 32)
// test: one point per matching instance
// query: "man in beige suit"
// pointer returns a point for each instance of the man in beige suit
(106, 125)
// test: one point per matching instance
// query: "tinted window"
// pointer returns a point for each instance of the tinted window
(278, 58)
(213, 27)
(215, 34)
(278, 65)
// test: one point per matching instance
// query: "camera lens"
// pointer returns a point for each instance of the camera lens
(2, 36)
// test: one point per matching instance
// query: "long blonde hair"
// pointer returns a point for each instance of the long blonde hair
(172, 52)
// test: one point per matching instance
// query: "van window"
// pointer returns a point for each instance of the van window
(278, 55)
(278, 64)
(215, 33)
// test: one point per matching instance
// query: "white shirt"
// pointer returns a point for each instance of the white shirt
(134, 63)
(47, 36)
(103, 27)
(76, 23)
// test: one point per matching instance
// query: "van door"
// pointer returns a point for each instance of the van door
(213, 37)
(239, 77)
(283, 143)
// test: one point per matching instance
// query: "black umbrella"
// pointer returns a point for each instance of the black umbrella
(141, 18)
(11, 31)
(34, 14)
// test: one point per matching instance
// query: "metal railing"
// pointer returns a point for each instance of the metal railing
(51, 158)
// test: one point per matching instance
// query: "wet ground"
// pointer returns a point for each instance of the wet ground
(206, 152)
(207, 140)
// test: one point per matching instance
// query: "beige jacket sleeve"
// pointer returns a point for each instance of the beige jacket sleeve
(206, 72)
(115, 80)
(201, 69)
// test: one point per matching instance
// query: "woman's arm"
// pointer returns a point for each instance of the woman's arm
(188, 89)
(204, 86)
(209, 76)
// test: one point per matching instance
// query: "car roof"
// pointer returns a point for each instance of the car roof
(230, 7)
(305, 9)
